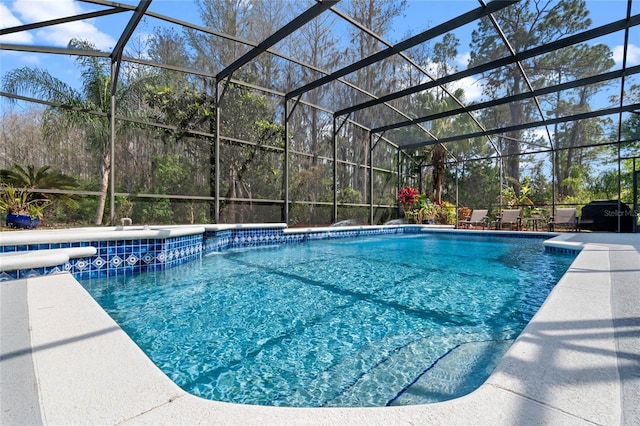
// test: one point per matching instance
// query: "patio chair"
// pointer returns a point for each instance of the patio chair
(510, 217)
(478, 217)
(564, 217)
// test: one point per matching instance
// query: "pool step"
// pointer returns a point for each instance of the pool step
(411, 374)
(456, 374)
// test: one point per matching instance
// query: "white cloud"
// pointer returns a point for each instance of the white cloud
(538, 134)
(472, 89)
(633, 54)
(59, 35)
(472, 86)
(463, 59)
(14, 58)
(8, 19)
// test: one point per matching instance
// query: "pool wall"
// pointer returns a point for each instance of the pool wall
(110, 251)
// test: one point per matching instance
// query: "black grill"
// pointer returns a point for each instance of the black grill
(602, 215)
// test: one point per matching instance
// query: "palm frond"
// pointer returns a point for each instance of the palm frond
(40, 84)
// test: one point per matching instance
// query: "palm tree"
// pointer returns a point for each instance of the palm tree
(30, 178)
(87, 110)
(430, 102)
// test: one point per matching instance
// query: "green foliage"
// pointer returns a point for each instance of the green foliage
(20, 201)
(157, 211)
(81, 214)
(349, 196)
(517, 194)
(183, 107)
(269, 133)
(540, 186)
(310, 185)
(576, 182)
(124, 207)
(85, 111)
(171, 174)
(545, 22)
(478, 184)
(446, 214)
(631, 126)
(42, 178)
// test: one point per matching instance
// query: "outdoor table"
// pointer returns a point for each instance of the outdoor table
(533, 222)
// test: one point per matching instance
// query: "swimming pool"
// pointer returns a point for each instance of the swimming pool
(359, 322)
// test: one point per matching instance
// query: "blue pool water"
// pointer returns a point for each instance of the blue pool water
(359, 322)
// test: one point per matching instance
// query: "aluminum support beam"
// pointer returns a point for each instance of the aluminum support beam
(216, 154)
(41, 24)
(371, 146)
(112, 152)
(521, 56)
(582, 116)
(520, 96)
(116, 54)
(286, 162)
(399, 172)
(429, 34)
(274, 38)
(334, 215)
(52, 50)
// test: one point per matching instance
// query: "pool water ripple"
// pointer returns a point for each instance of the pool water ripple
(362, 322)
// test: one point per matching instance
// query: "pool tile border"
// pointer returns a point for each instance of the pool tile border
(134, 251)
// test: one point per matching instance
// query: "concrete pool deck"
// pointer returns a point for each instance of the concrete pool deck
(63, 360)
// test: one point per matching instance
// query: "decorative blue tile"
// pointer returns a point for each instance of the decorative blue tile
(10, 275)
(140, 255)
(561, 250)
(32, 273)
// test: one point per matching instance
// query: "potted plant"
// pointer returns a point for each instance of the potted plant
(425, 211)
(408, 197)
(22, 211)
(464, 213)
(429, 212)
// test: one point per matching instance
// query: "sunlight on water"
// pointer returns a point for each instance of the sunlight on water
(361, 322)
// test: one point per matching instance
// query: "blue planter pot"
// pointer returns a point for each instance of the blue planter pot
(22, 221)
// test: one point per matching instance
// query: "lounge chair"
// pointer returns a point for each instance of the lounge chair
(564, 217)
(478, 217)
(510, 217)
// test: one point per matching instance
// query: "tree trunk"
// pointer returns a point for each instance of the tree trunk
(438, 157)
(105, 169)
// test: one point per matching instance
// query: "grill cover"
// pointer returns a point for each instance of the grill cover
(602, 215)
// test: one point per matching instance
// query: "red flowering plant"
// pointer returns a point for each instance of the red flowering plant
(408, 197)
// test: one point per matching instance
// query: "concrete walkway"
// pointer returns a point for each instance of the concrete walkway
(65, 361)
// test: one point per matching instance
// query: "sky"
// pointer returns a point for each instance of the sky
(104, 31)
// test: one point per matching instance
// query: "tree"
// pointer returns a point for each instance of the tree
(377, 16)
(230, 17)
(21, 137)
(526, 24)
(316, 46)
(79, 109)
(443, 55)
(572, 63)
(631, 126)
(310, 128)
(171, 174)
